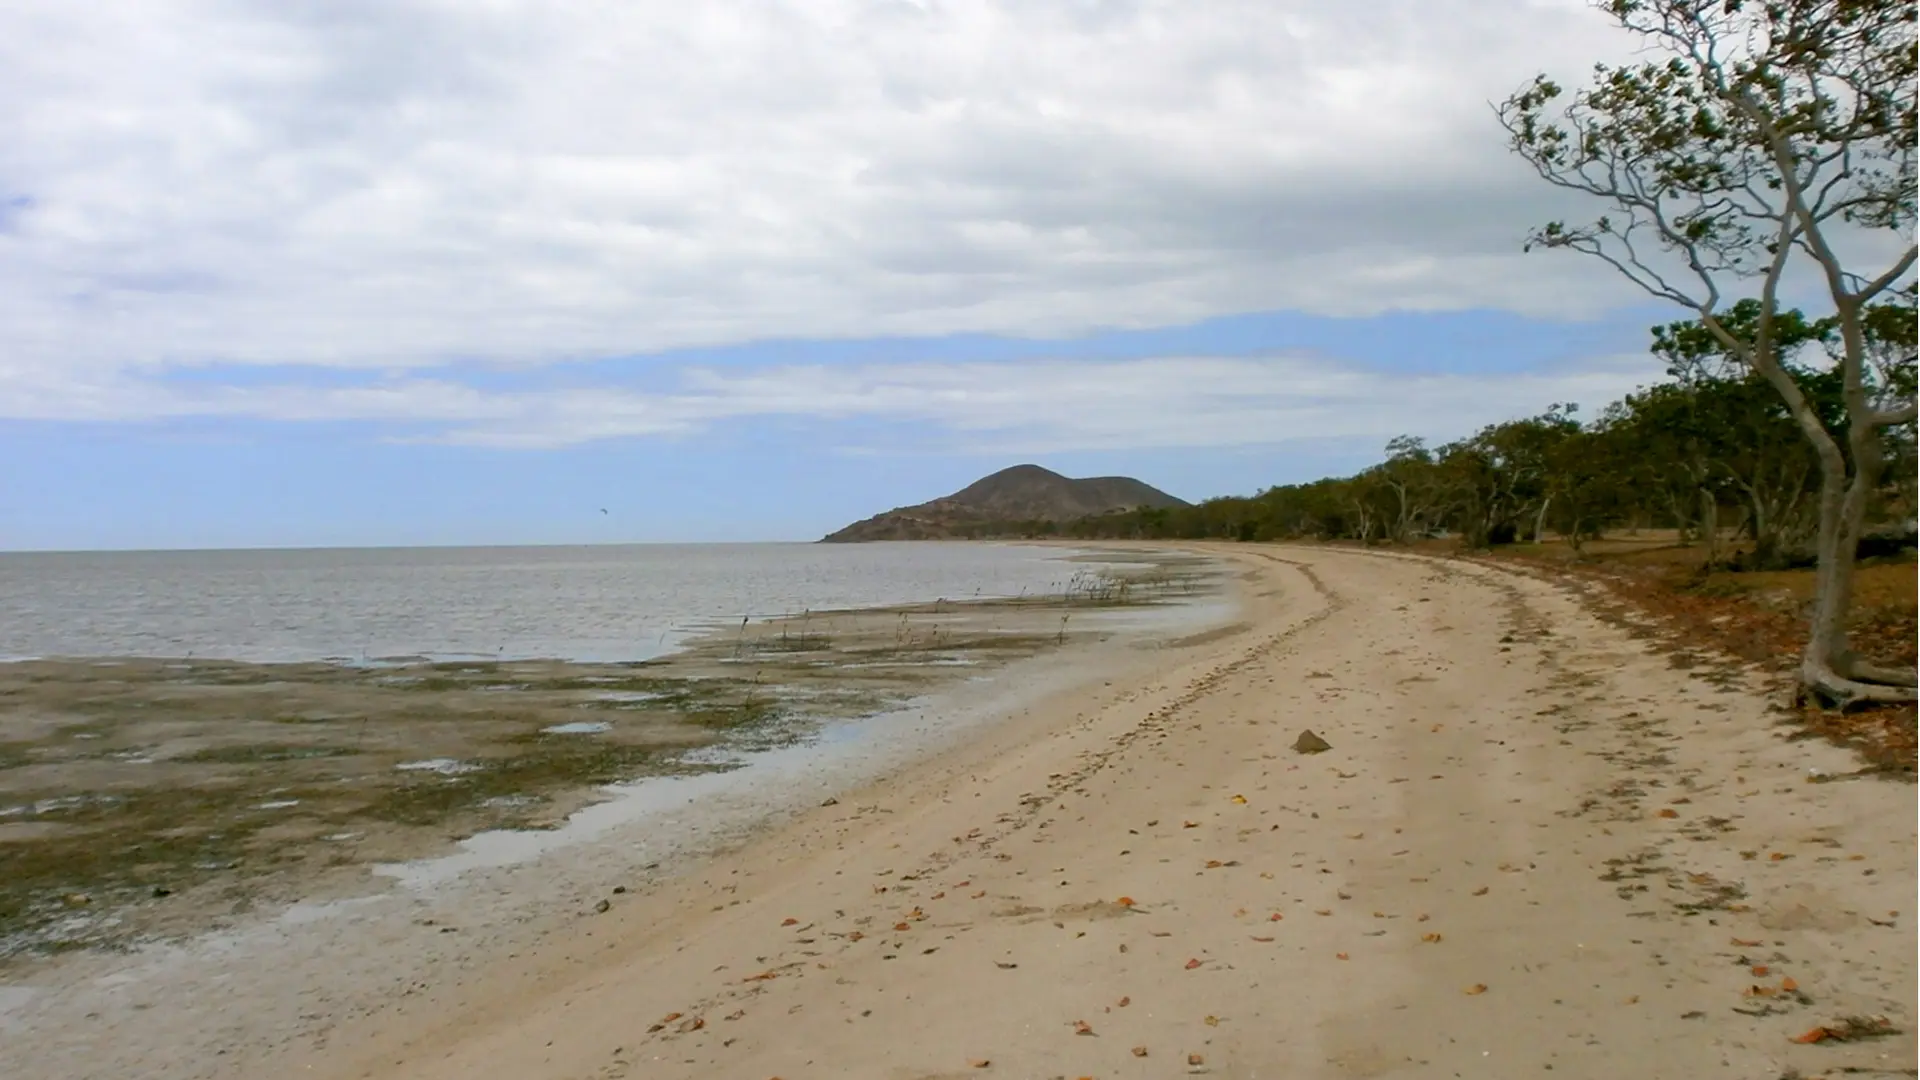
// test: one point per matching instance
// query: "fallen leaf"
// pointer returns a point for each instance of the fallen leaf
(1263, 940)
(1481, 891)
(1423, 917)
(1745, 944)
(902, 926)
(1432, 939)
(1759, 969)
(1189, 824)
(1240, 799)
(1161, 933)
(1787, 985)
(855, 936)
(980, 1063)
(1214, 864)
(1081, 1027)
(1779, 855)
(691, 1025)
(1323, 911)
(1005, 965)
(1124, 1002)
(1139, 1051)
(789, 922)
(1476, 988)
(1213, 1021)
(938, 896)
(762, 977)
(1125, 901)
(1339, 956)
(1275, 917)
(1196, 1059)
(1668, 812)
(1191, 964)
(1818, 1034)
(1634, 1000)
(979, 894)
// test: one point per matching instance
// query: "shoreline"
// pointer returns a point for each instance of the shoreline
(493, 894)
(1494, 871)
(1532, 844)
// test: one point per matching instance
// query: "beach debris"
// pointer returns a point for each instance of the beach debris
(1191, 964)
(1475, 989)
(1139, 1051)
(980, 1063)
(1081, 1027)
(830, 801)
(601, 907)
(1309, 743)
(1196, 1059)
(1849, 1029)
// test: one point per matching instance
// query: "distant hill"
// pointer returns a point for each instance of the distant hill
(1023, 493)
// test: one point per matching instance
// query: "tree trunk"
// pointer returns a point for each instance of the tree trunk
(1829, 670)
(1710, 525)
(1540, 519)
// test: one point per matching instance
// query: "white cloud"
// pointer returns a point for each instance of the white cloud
(404, 183)
(1027, 407)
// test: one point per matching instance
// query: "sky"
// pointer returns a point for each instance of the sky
(285, 273)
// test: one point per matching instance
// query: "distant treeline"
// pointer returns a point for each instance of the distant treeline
(1710, 451)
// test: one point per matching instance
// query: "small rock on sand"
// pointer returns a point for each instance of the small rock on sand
(1309, 743)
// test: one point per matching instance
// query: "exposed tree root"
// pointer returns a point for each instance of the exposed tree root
(1867, 671)
(1821, 684)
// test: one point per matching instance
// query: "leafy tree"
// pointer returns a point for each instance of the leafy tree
(1774, 135)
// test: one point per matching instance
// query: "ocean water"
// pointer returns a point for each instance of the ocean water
(599, 603)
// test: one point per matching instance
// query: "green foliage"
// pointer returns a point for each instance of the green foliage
(1711, 447)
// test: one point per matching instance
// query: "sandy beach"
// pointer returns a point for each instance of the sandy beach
(1533, 845)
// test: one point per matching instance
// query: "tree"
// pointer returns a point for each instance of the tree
(1743, 429)
(1774, 135)
(1408, 475)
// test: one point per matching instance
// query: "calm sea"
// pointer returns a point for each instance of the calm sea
(599, 603)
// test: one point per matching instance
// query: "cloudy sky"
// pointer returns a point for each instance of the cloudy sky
(407, 271)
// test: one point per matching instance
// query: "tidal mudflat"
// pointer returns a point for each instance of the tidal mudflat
(145, 799)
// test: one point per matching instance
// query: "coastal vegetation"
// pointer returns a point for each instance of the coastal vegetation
(1756, 150)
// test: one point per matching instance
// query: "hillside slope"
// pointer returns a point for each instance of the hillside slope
(1021, 493)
